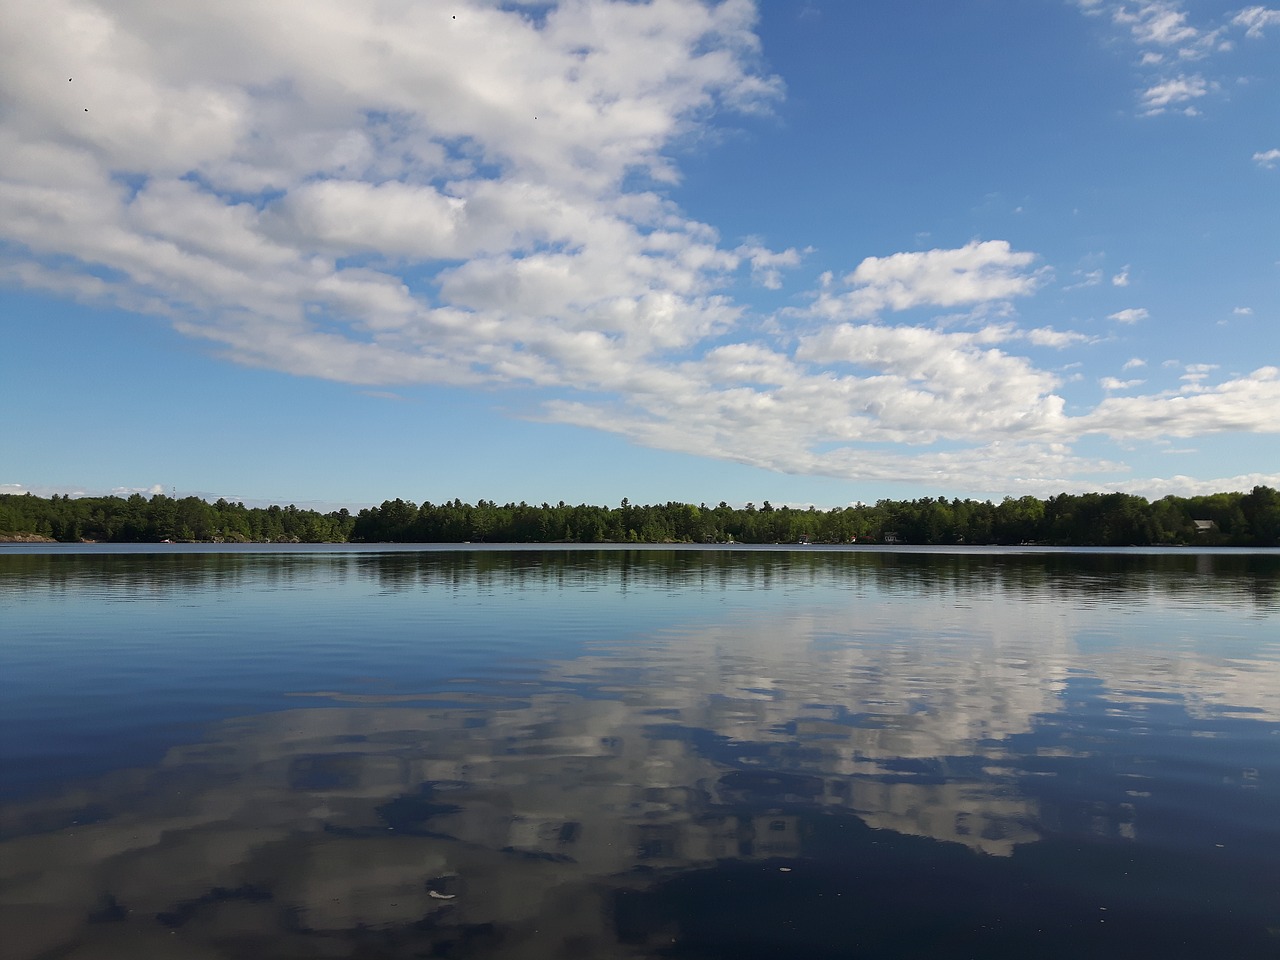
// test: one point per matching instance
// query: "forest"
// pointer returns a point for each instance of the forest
(1089, 519)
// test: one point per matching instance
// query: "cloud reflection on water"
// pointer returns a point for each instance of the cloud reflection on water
(912, 709)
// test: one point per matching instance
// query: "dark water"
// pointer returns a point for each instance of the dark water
(639, 753)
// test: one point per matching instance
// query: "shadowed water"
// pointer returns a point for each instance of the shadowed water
(639, 753)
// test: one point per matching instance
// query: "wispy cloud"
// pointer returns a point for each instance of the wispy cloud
(1176, 90)
(1167, 38)
(1184, 486)
(1196, 373)
(1129, 315)
(1255, 20)
(1121, 279)
(1268, 159)
(1114, 383)
(1083, 279)
(1157, 23)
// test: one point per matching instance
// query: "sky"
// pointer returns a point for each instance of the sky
(811, 252)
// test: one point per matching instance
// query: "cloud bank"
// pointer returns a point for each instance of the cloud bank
(476, 194)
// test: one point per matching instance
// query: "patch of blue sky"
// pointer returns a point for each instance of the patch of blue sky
(1135, 177)
(133, 183)
(421, 277)
(531, 10)
(323, 319)
(260, 200)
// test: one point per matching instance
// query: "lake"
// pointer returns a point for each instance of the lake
(395, 752)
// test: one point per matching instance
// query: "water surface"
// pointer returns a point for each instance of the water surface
(639, 753)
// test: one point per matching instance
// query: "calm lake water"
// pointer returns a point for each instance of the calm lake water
(720, 753)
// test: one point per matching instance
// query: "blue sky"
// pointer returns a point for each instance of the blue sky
(807, 252)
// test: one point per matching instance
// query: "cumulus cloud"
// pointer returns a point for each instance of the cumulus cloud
(1268, 159)
(1129, 315)
(1243, 311)
(978, 272)
(390, 194)
(1121, 279)
(767, 265)
(1134, 363)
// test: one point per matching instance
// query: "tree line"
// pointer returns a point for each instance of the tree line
(138, 519)
(1090, 519)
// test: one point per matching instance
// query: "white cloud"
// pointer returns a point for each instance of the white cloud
(1165, 25)
(1255, 20)
(1114, 383)
(1245, 404)
(1134, 363)
(1267, 159)
(367, 195)
(766, 264)
(1121, 279)
(979, 272)
(1157, 23)
(1130, 315)
(1184, 486)
(1243, 311)
(1049, 337)
(1181, 89)
(1165, 37)
(1084, 278)
(1195, 373)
